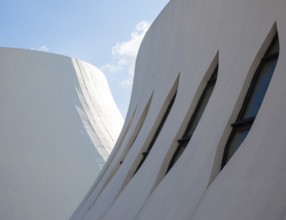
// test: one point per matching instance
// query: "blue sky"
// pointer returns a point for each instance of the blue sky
(105, 33)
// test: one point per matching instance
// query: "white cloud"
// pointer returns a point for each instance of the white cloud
(121, 62)
(113, 68)
(125, 52)
(127, 82)
(41, 48)
(44, 48)
(130, 48)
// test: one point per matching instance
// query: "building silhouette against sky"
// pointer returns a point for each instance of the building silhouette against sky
(204, 136)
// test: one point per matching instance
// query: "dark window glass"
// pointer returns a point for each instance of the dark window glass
(238, 136)
(165, 116)
(252, 101)
(200, 110)
(274, 48)
(179, 151)
(183, 142)
(260, 88)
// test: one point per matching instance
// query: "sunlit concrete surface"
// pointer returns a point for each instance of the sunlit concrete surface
(183, 46)
(58, 125)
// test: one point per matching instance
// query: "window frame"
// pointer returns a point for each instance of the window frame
(242, 123)
(157, 132)
(184, 140)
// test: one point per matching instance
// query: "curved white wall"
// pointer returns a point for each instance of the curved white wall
(58, 125)
(187, 40)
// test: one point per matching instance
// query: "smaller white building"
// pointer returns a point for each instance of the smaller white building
(58, 125)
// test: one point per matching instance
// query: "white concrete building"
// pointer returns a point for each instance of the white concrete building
(204, 137)
(58, 125)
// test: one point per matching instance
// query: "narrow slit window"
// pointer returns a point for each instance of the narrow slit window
(158, 130)
(196, 116)
(252, 101)
(137, 129)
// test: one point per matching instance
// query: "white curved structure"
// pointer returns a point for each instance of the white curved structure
(233, 165)
(58, 125)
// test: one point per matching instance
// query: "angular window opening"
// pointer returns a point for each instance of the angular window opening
(139, 161)
(252, 101)
(137, 129)
(199, 110)
(111, 157)
(158, 130)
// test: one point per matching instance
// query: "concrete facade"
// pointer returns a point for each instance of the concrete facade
(59, 124)
(179, 52)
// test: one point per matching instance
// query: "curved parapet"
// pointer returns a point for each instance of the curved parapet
(204, 136)
(58, 125)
